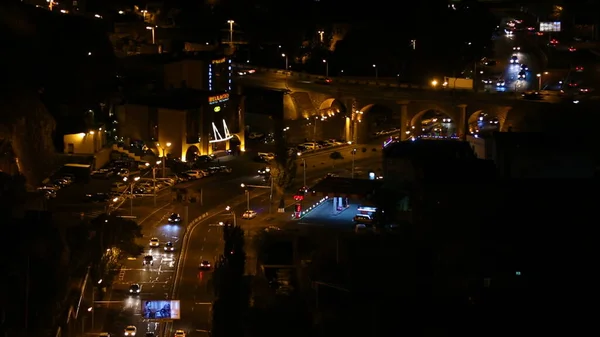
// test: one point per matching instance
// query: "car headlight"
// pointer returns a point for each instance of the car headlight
(130, 290)
(138, 290)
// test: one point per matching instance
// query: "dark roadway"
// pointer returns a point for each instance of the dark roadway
(205, 243)
(157, 280)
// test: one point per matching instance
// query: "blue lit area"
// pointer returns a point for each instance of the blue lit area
(210, 77)
(230, 76)
(219, 75)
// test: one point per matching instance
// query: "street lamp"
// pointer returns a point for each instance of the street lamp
(434, 83)
(539, 76)
(154, 179)
(230, 22)
(153, 36)
(353, 154)
(131, 192)
(315, 129)
(164, 155)
(228, 209)
(286, 62)
(321, 35)
(326, 68)
(304, 173)
(270, 187)
(376, 73)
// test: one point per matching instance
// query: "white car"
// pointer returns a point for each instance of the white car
(249, 214)
(516, 48)
(154, 242)
(268, 156)
(179, 333)
(130, 330)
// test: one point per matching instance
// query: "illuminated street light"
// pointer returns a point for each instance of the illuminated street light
(153, 34)
(326, 68)
(321, 35)
(164, 160)
(230, 22)
(376, 72)
(228, 209)
(434, 83)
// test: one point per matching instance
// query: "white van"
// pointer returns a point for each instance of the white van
(310, 145)
(118, 187)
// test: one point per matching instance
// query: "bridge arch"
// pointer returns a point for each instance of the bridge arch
(191, 152)
(434, 122)
(377, 113)
(331, 106)
(473, 120)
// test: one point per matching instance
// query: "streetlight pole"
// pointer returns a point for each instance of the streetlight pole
(326, 68)
(164, 155)
(231, 22)
(376, 73)
(286, 62)
(228, 209)
(315, 129)
(539, 76)
(131, 192)
(153, 36)
(247, 191)
(321, 35)
(304, 173)
(353, 154)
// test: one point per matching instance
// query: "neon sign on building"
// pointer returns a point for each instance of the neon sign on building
(219, 61)
(218, 99)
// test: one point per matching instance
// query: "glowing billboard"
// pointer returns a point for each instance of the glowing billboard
(550, 26)
(161, 310)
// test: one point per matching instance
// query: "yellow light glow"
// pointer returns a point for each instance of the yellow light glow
(91, 132)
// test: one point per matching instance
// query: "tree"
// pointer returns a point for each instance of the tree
(283, 172)
(113, 238)
(335, 155)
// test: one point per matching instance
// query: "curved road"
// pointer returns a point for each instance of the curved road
(118, 308)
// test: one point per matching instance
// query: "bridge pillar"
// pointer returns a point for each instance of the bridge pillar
(462, 125)
(404, 120)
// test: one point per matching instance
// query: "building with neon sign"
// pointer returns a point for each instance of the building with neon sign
(194, 122)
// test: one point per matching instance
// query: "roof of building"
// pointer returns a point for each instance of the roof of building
(166, 58)
(176, 99)
(347, 186)
(429, 149)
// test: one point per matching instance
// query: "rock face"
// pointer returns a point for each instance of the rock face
(26, 123)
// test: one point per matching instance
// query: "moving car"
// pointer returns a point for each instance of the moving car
(323, 80)
(169, 247)
(524, 67)
(500, 83)
(514, 59)
(267, 156)
(148, 260)
(249, 214)
(130, 330)
(264, 171)
(179, 333)
(135, 289)
(522, 75)
(174, 219)
(154, 242)
(579, 69)
(516, 48)
(362, 219)
(204, 265)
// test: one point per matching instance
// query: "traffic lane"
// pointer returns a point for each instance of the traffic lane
(511, 75)
(196, 286)
(156, 280)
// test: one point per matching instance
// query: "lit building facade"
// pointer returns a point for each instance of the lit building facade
(193, 122)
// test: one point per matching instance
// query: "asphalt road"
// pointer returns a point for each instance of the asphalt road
(205, 243)
(118, 309)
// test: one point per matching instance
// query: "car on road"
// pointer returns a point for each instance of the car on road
(130, 331)
(154, 242)
(205, 158)
(514, 59)
(204, 265)
(524, 67)
(500, 83)
(323, 80)
(267, 156)
(48, 194)
(249, 214)
(194, 174)
(572, 49)
(123, 173)
(179, 333)
(97, 197)
(169, 247)
(522, 75)
(487, 81)
(579, 69)
(516, 48)
(49, 187)
(135, 289)
(532, 95)
(264, 171)
(148, 260)
(363, 219)
(174, 218)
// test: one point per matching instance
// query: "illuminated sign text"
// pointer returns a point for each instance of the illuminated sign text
(217, 109)
(218, 99)
(223, 60)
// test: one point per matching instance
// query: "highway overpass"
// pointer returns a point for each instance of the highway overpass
(356, 103)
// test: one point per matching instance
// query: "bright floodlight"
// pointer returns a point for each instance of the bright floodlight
(228, 208)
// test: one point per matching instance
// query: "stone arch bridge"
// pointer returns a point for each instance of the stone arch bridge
(355, 112)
